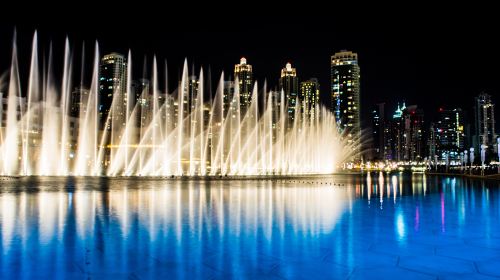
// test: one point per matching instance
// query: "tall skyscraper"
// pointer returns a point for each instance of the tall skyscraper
(309, 98)
(244, 75)
(397, 134)
(228, 97)
(432, 141)
(484, 113)
(141, 94)
(192, 96)
(345, 96)
(112, 85)
(450, 133)
(414, 147)
(289, 83)
(378, 131)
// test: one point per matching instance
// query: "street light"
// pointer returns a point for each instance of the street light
(483, 158)
(471, 159)
(498, 151)
(465, 161)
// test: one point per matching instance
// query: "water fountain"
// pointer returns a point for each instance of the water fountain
(41, 137)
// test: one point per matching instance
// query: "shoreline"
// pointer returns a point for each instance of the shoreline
(189, 178)
(495, 177)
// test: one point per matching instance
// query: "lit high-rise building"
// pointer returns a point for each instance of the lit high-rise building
(309, 98)
(289, 84)
(192, 96)
(414, 147)
(112, 85)
(345, 95)
(379, 132)
(276, 99)
(141, 93)
(432, 141)
(396, 135)
(484, 122)
(228, 98)
(450, 134)
(244, 75)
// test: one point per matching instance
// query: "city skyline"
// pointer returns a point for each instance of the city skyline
(272, 81)
(413, 65)
(421, 66)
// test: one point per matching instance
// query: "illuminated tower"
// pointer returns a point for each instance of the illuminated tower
(289, 83)
(450, 134)
(309, 98)
(413, 121)
(484, 113)
(379, 132)
(112, 84)
(345, 93)
(243, 74)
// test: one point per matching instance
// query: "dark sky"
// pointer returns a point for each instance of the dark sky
(432, 59)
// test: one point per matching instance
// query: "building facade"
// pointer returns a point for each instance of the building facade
(484, 124)
(309, 99)
(450, 133)
(414, 146)
(379, 132)
(345, 95)
(243, 74)
(289, 84)
(112, 90)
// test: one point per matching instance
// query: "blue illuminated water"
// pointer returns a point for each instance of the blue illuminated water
(337, 227)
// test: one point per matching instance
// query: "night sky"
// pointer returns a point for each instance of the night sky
(438, 59)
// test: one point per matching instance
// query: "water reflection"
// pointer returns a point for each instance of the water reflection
(184, 229)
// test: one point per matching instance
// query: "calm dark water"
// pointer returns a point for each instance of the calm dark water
(335, 227)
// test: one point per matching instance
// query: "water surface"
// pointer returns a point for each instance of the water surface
(378, 226)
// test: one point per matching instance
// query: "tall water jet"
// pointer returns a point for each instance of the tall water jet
(32, 110)
(11, 136)
(65, 142)
(86, 158)
(51, 122)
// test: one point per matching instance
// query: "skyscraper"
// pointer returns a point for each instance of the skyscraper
(112, 85)
(228, 96)
(484, 113)
(289, 84)
(450, 135)
(345, 92)
(396, 135)
(192, 96)
(309, 98)
(244, 75)
(432, 141)
(414, 147)
(141, 101)
(378, 131)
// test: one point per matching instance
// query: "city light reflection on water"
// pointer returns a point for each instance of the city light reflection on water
(303, 227)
